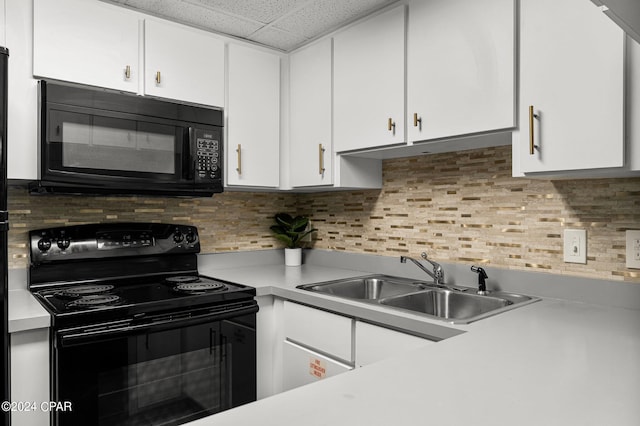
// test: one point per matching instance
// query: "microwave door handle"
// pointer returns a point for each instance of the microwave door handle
(190, 154)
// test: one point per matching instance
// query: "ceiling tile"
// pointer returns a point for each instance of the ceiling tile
(277, 38)
(322, 16)
(264, 11)
(282, 24)
(197, 16)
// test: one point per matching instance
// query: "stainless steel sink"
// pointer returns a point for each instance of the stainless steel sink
(371, 288)
(458, 305)
(447, 304)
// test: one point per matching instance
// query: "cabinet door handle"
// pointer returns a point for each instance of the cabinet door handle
(239, 151)
(158, 77)
(391, 125)
(417, 121)
(532, 145)
(127, 72)
(320, 159)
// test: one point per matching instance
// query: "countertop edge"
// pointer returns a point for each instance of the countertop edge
(25, 312)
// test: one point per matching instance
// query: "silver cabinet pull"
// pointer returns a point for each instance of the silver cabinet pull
(320, 159)
(127, 72)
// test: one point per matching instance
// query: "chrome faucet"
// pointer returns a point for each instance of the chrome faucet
(438, 272)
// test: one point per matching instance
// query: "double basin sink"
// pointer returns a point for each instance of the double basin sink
(458, 305)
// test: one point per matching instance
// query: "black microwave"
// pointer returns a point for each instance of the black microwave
(95, 141)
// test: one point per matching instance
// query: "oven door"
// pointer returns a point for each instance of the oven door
(166, 373)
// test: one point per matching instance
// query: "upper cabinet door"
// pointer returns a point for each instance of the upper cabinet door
(572, 77)
(460, 67)
(253, 118)
(368, 87)
(86, 42)
(311, 147)
(633, 104)
(183, 63)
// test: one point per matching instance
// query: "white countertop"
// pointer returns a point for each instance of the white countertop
(25, 312)
(267, 278)
(552, 362)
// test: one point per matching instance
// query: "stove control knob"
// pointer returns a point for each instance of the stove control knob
(178, 237)
(64, 243)
(191, 237)
(44, 244)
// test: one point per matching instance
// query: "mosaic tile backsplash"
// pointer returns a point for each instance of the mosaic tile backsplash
(230, 221)
(459, 207)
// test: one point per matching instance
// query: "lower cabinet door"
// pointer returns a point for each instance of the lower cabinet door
(374, 343)
(302, 366)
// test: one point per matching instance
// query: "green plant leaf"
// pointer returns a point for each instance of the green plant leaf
(285, 239)
(291, 230)
(284, 219)
(278, 229)
(300, 223)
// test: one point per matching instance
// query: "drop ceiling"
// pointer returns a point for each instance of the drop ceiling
(281, 24)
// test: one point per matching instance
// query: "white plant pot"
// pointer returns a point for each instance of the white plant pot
(293, 257)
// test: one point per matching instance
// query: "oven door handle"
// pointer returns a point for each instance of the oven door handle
(92, 336)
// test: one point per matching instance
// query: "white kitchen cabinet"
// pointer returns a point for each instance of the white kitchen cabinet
(94, 43)
(313, 162)
(3, 26)
(304, 366)
(253, 117)
(183, 63)
(311, 154)
(321, 330)
(633, 105)
(375, 343)
(22, 111)
(317, 344)
(369, 83)
(269, 337)
(87, 42)
(572, 63)
(30, 375)
(460, 67)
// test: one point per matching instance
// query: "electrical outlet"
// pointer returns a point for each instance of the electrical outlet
(633, 249)
(575, 246)
(307, 238)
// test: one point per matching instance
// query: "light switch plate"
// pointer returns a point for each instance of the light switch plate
(633, 249)
(575, 246)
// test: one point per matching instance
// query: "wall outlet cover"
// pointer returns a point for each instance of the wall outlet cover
(633, 249)
(575, 246)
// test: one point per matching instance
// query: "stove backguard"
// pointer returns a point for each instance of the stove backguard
(97, 252)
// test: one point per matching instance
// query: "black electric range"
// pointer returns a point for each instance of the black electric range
(138, 336)
(87, 303)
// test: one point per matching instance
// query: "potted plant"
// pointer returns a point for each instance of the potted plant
(292, 230)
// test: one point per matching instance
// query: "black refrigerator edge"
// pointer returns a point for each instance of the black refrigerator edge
(4, 230)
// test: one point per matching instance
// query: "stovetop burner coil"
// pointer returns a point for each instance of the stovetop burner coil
(182, 279)
(199, 287)
(85, 290)
(94, 300)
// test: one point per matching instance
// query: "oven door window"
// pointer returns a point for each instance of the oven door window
(102, 145)
(167, 377)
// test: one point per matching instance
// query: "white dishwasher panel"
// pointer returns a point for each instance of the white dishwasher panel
(302, 366)
(324, 331)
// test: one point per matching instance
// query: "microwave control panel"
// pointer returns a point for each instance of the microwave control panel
(208, 155)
